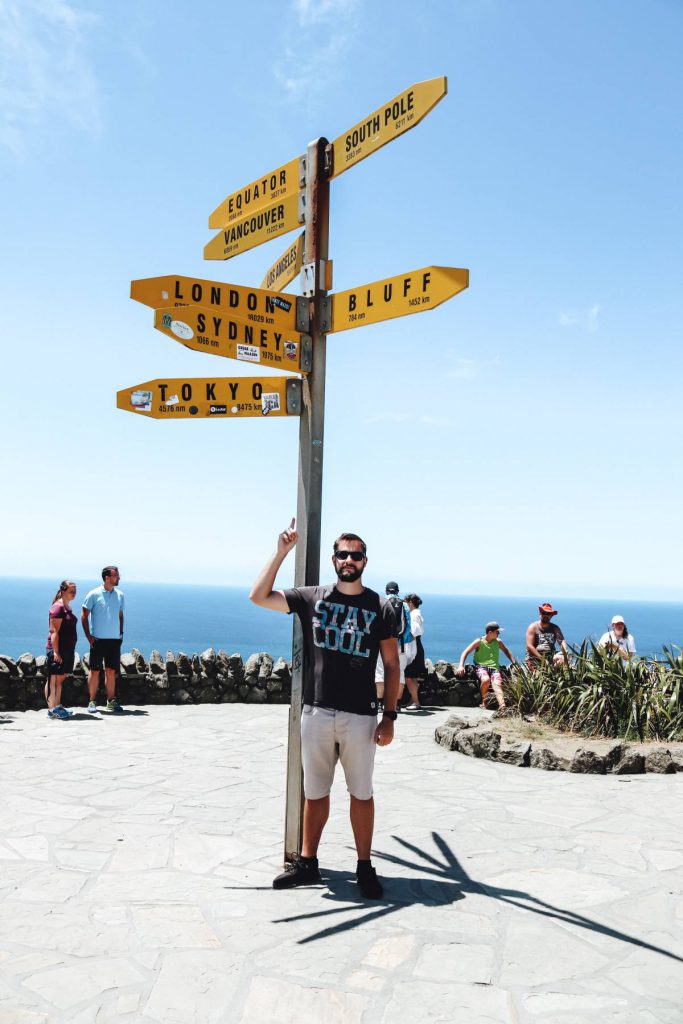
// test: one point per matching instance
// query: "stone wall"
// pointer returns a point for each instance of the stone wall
(208, 678)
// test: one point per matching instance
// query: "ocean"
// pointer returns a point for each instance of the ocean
(176, 618)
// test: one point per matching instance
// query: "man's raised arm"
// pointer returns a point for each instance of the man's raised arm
(262, 592)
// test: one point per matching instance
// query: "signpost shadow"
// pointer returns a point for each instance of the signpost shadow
(446, 883)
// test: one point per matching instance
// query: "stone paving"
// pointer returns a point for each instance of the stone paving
(138, 850)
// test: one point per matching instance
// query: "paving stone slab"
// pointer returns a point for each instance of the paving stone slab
(142, 892)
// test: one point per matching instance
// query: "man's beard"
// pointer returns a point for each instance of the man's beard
(351, 573)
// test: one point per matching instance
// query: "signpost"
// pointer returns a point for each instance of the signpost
(211, 330)
(256, 228)
(266, 326)
(286, 267)
(173, 398)
(413, 292)
(278, 184)
(386, 123)
(269, 308)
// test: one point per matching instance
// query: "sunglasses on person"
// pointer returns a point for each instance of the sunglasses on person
(356, 556)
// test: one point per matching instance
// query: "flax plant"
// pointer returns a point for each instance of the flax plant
(596, 693)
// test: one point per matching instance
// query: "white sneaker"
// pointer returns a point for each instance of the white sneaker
(92, 708)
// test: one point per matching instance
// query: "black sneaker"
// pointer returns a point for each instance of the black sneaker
(302, 871)
(368, 882)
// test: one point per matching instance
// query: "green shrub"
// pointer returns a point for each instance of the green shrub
(595, 693)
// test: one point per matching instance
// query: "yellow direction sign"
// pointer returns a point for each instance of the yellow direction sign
(256, 228)
(286, 267)
(265, 308)
(283, 181)
(216, 397)
(209, 330)
(388, 122)
(396, 296)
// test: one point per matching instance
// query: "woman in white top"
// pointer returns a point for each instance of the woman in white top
(415, 668)
(618, 639)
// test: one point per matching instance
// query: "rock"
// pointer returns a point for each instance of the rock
(243, 690)
(251, 669)
(161, 683)
(11, 668)
(514, 752)
(274, 685)
(207, 695)
(615, 755)
(141, 666)
(4, 669)
(208, 660)
(631, 763)
(257, 695)
(676, 751)
(41, 662)
(128, 664)
(86, 661)
(455, 722)
(26, 664)
(444, 669)
(446, 737)
(280, 669)
(547, 759)
(171, 667)
(659, 760)
(183, 697)
(587, 762)
(183, 664)
(478, 742)
(156, 663)
(196, 665)
(79, 667)
(266, 669)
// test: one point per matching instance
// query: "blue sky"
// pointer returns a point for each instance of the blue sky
(522, 438)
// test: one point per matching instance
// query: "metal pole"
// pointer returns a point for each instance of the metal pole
(311, 430)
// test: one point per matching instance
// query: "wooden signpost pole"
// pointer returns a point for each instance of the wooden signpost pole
(311, 451)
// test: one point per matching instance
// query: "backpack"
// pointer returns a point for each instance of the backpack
(402, 631)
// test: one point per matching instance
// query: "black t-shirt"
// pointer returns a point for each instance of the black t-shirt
(342, 633)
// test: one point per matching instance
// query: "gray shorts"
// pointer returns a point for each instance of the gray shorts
(403, 660)
(329, 736)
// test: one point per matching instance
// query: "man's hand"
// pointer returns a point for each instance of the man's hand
(287, 539)
(384, 733)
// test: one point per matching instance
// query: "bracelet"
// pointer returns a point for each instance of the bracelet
(392, 715)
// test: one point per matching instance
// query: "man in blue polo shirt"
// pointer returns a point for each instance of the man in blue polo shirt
(102, 619)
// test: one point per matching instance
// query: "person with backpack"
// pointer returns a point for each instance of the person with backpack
(407, 648)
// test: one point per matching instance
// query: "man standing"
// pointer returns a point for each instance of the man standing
(104, 632)
(345, 626)
(407, 648)
(543, 637)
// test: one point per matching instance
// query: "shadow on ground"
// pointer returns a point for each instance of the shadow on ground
(445, 883)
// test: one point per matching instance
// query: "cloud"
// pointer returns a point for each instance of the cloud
(314, 12)
(326, 28)
(45, 74)
(468, 369)
(587, 321)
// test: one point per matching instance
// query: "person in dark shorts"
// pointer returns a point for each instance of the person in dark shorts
(102, 619)
(60, 650)
(345, 627)
(415, 669)
(543, 637)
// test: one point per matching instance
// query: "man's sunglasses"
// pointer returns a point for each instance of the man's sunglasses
(356, 556)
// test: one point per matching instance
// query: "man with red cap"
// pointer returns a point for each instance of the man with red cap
(543, 637)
